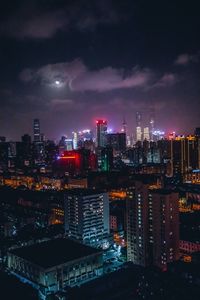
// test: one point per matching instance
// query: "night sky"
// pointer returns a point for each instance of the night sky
(109, 59)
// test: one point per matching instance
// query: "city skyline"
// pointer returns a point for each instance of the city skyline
(68, 64)
(99, 150)
(130, 132)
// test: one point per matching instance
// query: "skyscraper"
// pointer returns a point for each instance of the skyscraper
(36, 130)
(75, 140)
(138, 126)
(152, 226)
(124, 126)
(163, 227)
(152, 124)
(146, 134)
(101, 131)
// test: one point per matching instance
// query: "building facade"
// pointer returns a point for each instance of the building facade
(53, 265)
(152, 226)
(87, 216)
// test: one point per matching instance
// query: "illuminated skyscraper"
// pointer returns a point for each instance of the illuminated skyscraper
(138, 134)
(36, 130)
(146, 134)
(101, 131)
(138, 126)
(152, 124)
(75, 140)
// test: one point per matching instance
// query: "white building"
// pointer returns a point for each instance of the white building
(87, 216)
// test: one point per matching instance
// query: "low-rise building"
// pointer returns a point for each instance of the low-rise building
(53, 265)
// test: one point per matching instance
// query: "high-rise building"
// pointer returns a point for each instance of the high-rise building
(124, 126)
(24, 151)
(152, 124)
(42, 137)
(4, 149)
(117, 141)
(146, 134)
(197, 135)
(26, 138)
(87, 216)
(163, 227)
(138, 134)
(101, 131)
(75, 140)
(152, 226)
(36, 130)
(106, 158)
(138, 126)
(62, 145)
(197, 132)
(184, 154)
(137, 224)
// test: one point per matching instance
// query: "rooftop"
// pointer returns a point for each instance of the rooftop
(83, 192)
(54, 252)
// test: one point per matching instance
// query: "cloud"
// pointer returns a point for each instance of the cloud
(39, 20)
(185, 59)
(167, 80)
(79, 78)
(110, 79)
(64, 72)
(37, 26)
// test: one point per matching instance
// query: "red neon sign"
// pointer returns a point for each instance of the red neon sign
(68, 157)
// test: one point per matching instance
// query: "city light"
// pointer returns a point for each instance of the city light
(68, 157)
(110, 130)
(100, 150)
